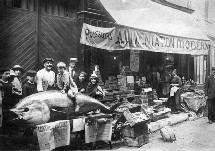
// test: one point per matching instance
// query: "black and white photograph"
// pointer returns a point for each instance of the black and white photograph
(115, 75)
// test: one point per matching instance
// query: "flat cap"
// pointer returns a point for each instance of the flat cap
(12, 73)
(18, 67)
(31, 73)
(213, 68)
(73, 60)
(48, 59)
(93, 76)
(61, 64)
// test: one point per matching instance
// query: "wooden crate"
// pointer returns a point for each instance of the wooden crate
(137, 142)
(134, 131)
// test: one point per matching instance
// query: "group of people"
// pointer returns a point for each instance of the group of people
(68, 80)
(167, 84)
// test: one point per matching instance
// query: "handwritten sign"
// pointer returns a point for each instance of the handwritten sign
(121, 38)
(98, 131)
(53, 135)
(134, 60)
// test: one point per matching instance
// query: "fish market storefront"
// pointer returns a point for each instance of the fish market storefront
(125, 56)
(138, 52)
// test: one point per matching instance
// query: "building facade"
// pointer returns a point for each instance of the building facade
(31, 30)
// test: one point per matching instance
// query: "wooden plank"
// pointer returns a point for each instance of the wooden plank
(49, 6)
(17, 38)
(9, 3)
(31, 5)
(55, 7)
(24, 4)
(61, 7)
(58, 37)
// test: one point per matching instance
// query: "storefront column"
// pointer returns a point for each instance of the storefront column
(200, 65)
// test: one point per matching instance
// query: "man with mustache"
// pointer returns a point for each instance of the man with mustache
(46, 77)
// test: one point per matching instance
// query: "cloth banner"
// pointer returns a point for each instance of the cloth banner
(54, 134)
(121, 38)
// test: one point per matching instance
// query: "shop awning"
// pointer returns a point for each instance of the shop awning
(123, 38)
(149, 26)
(151, 16)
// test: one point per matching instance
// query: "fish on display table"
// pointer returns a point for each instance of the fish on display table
(38, 108)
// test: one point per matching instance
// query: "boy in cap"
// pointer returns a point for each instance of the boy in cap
(17, 89)
(30, 87)
(63, 79)
(46, 77)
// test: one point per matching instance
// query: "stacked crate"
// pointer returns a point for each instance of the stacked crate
(121, 83)
(110, 87)
(135, 132)
(97, 72)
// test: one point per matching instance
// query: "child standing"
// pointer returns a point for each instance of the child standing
(30, 87)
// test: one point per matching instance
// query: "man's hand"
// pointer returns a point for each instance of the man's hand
(206, 97)
(98, 93)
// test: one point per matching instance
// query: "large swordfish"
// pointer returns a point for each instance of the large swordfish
(37, 108)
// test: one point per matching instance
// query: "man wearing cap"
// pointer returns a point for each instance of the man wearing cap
(46, 77)
(73, 71)
(210, 95)
(30, 87)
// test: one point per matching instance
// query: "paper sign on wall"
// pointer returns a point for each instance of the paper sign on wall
(134, 60)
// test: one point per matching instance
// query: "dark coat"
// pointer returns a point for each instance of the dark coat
(77, 72)
(210, 87)
(29, 89)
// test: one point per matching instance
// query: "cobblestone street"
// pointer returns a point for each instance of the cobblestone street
(195, 135)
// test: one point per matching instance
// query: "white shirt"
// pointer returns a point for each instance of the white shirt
(44, 79)
(71, 72)
(18, 86)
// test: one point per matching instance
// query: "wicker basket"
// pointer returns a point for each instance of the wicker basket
(194, 103)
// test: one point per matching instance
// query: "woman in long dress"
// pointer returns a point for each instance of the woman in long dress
(175, 91)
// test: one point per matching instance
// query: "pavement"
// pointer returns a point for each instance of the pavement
(154, 127)
(196, 135)
(172, 120)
